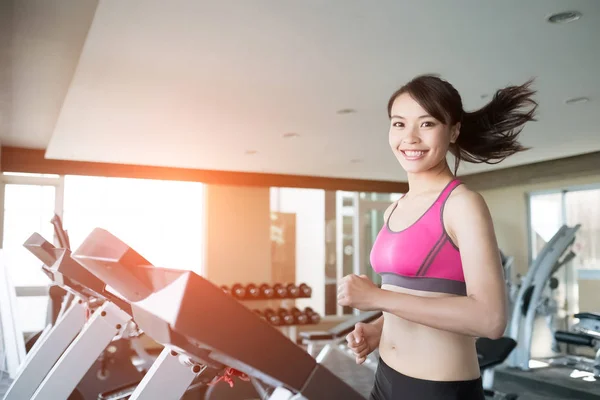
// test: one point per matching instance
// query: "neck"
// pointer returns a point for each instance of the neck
(430, 180)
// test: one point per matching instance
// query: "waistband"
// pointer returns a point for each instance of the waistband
(391, 375)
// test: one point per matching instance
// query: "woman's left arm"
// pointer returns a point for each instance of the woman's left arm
(482, 313)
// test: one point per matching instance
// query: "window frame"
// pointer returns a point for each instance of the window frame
(32, 290)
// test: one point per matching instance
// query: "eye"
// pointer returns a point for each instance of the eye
(428, 124)
(398, 124)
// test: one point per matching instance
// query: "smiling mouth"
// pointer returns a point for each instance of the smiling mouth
(413, 154)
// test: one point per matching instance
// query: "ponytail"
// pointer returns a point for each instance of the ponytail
(489, 135)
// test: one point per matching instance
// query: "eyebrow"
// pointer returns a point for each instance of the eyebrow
(401, 117)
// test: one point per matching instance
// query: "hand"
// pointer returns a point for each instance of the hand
(363, 340)
(357, 292)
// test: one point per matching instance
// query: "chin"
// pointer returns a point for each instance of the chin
(417, 167)
(416, 170)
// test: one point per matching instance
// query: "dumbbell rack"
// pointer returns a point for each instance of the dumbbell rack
(269, 297)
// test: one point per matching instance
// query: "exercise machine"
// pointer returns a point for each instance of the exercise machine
(585, 333)
(76, 348)
(534, 297)
(203, 329)
(492, 353)
(511, 282)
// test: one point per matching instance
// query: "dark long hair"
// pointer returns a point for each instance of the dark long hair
(487, 135)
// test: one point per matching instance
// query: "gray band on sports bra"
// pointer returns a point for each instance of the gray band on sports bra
(425, 283)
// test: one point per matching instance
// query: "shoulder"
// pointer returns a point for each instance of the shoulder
(466, 211)
(463, 199)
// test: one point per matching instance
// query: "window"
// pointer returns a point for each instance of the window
(549, 211)
(546, 218)
(28, 208)
(162, 220)
(583, 207)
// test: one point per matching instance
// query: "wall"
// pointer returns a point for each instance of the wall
(508, 207)
(237, 232)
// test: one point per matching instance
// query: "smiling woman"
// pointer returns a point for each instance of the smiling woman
(442, 284)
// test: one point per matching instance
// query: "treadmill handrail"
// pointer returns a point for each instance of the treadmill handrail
(527, 280)
(523, 351)
(347, 326)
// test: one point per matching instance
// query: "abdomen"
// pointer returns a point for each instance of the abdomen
(427, 353)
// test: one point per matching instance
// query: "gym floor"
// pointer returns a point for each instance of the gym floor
(538, 384)
(550, 383)
(507, 382)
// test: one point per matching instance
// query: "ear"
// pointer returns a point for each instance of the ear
(455, 132)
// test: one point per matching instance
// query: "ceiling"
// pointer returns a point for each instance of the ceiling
(199, 84)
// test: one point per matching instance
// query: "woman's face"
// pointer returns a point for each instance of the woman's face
(419, 141)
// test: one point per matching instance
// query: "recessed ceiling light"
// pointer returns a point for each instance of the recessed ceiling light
(564, 17)
(344, 111)
(289, 135)
(577, 100)
(251, 152)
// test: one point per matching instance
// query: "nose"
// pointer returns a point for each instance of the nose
(410, 136)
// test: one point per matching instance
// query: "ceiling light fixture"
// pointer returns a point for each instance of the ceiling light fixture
(344, 111)
(564, 17)
(290, 135)
(577, 100)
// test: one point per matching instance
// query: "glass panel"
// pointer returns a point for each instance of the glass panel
(583, 207)
(373, 196)
(373, 223)
(162, 220)
(27, 209)
(546, 217)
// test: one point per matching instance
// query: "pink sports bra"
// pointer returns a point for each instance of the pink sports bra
(422, 256)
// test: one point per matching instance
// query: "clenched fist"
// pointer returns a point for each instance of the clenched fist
(363, 340)
(358, 292)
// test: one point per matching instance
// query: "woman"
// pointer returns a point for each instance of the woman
(442, 281)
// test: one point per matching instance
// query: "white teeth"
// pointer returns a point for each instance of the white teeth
(414, 153)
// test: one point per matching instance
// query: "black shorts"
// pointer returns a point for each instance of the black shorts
(391, 384)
